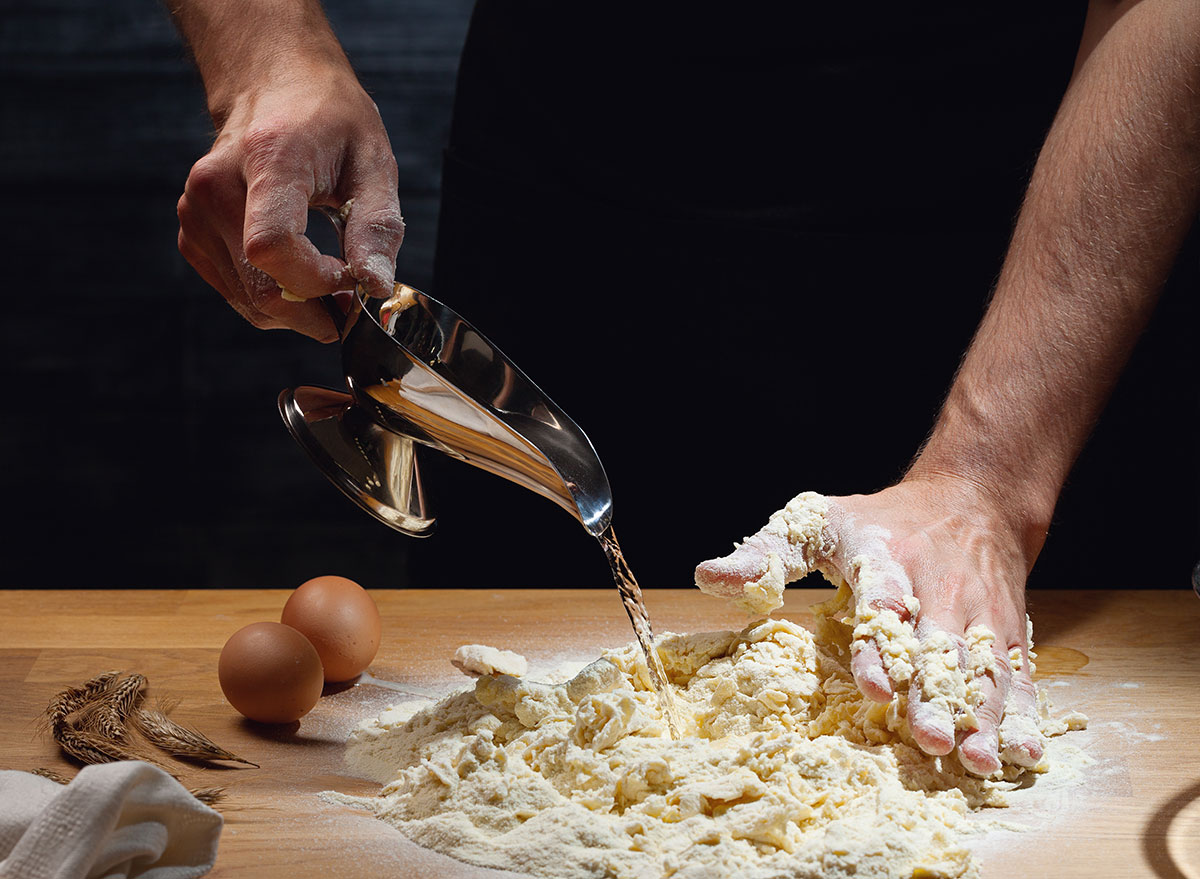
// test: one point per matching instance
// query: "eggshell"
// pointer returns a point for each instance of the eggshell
(270, 672)
(341, 620)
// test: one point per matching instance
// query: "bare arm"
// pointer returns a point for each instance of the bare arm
(294, 129)
(1114, 192)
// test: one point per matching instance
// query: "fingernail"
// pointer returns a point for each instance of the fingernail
(713, 576)
(877, 679)
(1024, 753)
(743, 566)
(978, 753)
(934, 731)
(378, 266)
(979, 764)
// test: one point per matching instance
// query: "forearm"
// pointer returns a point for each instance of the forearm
(295, 129)
(240, 46)
(1112, 196)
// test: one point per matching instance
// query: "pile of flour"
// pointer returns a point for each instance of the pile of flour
(783, 769)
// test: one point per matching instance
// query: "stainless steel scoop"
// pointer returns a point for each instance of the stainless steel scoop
(418, 373)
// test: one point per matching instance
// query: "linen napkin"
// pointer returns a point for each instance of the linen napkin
(113, 821)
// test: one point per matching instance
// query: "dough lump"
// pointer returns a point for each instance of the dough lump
(480, 659)
(784, 769)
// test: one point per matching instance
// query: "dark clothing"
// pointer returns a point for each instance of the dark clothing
(744, 250)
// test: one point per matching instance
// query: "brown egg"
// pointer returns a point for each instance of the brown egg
(340, 619)
(270, 672)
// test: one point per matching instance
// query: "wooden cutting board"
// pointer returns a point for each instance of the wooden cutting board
(1130, 660)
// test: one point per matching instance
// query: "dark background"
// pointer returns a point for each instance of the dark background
(141, 445)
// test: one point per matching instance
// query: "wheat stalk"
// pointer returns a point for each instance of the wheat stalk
(73, 699)
(88, 721)
(180, 741)
(94, 721)
(91, 746)
(206, 795)
(109, 713)
(52, 774)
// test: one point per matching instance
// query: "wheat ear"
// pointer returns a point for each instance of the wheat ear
(180, 741)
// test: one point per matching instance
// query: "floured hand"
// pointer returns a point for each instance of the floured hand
(935, 573)
(310, 137)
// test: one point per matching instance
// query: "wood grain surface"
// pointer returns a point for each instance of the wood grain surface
(1127, 659)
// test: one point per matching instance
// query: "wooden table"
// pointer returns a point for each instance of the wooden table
(1127, 659)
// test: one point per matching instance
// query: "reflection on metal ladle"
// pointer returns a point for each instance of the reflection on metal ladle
(417, 372)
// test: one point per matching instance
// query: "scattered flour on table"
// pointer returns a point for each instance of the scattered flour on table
(784, 769)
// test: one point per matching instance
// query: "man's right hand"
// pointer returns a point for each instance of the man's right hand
(294, 129)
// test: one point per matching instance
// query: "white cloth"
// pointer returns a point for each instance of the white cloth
(113, 821)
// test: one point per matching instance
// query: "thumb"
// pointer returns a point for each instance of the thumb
(794, 542)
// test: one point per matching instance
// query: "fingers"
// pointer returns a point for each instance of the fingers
(932, 726)
(934, 695)
(274, 240)
(967, 688)
(1021, 739)
(878, 653)
(957, 687)
(979, 751)
(204, 266)
(726, 577)
(211, 220)
(884, 607)
(375, 227)
(869, 674)
(208, 204)
(794, 541)
(281, 171)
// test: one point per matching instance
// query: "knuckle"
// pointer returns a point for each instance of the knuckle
(268, 146)
(186, 248)
(927, 627)
(908, 552)
(266, 245)
(893, 603)
(190, 214)
(375, 156)
(260, 311)
(259, 320)
(208, 180)
(1002, 672)
(992, 710)
(1023, 687)
(264, 141)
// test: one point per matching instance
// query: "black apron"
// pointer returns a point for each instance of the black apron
(744, 250)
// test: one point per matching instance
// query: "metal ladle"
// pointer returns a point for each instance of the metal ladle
(418, 373)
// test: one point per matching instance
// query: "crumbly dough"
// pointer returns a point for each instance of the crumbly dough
(949, 672)
(480, 659)
(784, 769)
